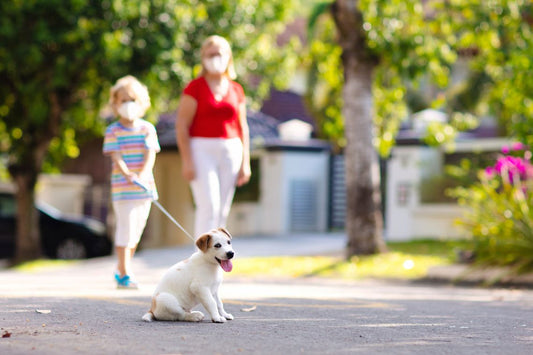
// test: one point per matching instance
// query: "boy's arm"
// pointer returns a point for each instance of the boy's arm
(121, 164)
(149, 162)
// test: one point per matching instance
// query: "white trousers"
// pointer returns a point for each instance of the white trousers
(217, 162)
(131, 217)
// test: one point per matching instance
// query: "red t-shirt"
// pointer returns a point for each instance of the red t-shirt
(215, 119)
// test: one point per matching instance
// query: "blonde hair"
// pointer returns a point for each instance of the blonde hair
(222, 42)
(134, 88)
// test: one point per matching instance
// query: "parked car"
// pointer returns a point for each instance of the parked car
(62, 236)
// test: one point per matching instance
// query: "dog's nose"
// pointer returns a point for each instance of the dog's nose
(230, 254)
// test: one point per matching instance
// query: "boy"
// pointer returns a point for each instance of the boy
(132, 144)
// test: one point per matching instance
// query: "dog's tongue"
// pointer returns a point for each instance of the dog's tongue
(226, 265)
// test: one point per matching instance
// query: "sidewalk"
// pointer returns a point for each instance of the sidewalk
(150, 264)
(94, 277)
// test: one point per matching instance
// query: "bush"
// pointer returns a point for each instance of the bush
(500, 217)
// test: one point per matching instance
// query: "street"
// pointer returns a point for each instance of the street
(76, 309)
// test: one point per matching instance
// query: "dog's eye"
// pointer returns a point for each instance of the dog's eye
(229, 242)
(218, 245)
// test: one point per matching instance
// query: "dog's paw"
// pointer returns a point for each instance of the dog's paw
(194, 316)
(227, 316)
(218, 319)
(148, 317)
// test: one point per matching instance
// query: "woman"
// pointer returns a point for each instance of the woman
(212, 135)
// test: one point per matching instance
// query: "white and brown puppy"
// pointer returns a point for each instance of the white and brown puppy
(195, 281)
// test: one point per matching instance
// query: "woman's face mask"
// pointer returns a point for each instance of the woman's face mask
(130, 110)
(217, 64)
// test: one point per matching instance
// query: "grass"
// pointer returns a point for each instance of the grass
(43, 264)
(406, 260)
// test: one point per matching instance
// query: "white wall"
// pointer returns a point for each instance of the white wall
(406, 169)
(63, 191)
(407, 218)
(272, 213)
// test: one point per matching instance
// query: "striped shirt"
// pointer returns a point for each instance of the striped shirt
(133, 144)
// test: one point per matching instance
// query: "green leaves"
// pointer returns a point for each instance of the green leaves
(467, 57)
(58, 59)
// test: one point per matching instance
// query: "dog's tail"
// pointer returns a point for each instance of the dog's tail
(148, 317)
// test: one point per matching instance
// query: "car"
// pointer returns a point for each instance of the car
(63, 236)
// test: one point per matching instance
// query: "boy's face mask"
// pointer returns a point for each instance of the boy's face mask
(130, 110)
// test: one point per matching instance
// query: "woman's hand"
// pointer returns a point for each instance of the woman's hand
(244, 175)
(187, 170)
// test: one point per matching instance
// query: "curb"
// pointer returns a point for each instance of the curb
(479, 276)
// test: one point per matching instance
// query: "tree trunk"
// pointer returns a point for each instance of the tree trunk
(364, 221)
(27, 243)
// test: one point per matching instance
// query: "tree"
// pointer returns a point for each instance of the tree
(497, 36)
(363, 222)
(58, 58)
(384, 45)
(408, 47)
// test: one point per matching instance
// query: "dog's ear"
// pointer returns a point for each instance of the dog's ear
(203, 242)
(223, 230)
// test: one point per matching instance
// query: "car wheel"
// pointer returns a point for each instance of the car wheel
(71, 249)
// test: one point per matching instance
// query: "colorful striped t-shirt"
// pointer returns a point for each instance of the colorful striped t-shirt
(133, 144)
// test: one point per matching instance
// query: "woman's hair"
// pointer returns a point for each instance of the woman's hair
(223, 43)
(134, 89)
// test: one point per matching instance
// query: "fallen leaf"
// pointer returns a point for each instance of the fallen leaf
(6, 334)
(43, 311)
(251, 309)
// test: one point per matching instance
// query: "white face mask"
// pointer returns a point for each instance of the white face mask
(130, 110)
(217, 64)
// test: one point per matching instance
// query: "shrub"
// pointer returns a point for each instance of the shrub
(500, 217)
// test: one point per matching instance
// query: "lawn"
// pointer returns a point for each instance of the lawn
(406, 260)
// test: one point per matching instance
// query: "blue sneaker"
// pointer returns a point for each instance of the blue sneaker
(126, 282)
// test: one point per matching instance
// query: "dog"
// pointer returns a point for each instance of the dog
(195, 281)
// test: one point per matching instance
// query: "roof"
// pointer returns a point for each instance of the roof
(263, 128)
(412, 131)
(286, 105)
(282, 106)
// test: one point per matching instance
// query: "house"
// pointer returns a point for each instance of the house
(415, 168)
(288, 192)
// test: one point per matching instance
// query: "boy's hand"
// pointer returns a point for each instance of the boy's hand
(131, 177)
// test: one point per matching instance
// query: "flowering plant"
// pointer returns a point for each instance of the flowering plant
(500, 210)
(511, 167)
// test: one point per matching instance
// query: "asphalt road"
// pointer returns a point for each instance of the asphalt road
(77, 310)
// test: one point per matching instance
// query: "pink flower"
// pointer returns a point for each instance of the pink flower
(513, 166)
(490, 172)
(517, 146)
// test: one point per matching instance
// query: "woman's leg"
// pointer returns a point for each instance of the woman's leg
(205, 187)
(228, 169)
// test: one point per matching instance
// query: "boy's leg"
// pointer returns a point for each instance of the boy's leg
(122, 260)
(131, 219)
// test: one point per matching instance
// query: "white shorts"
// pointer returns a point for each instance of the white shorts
(131, 217)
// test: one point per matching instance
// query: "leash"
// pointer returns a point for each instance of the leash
(165, 212)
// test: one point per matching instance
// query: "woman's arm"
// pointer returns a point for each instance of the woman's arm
(245, 172)
(184, 118)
